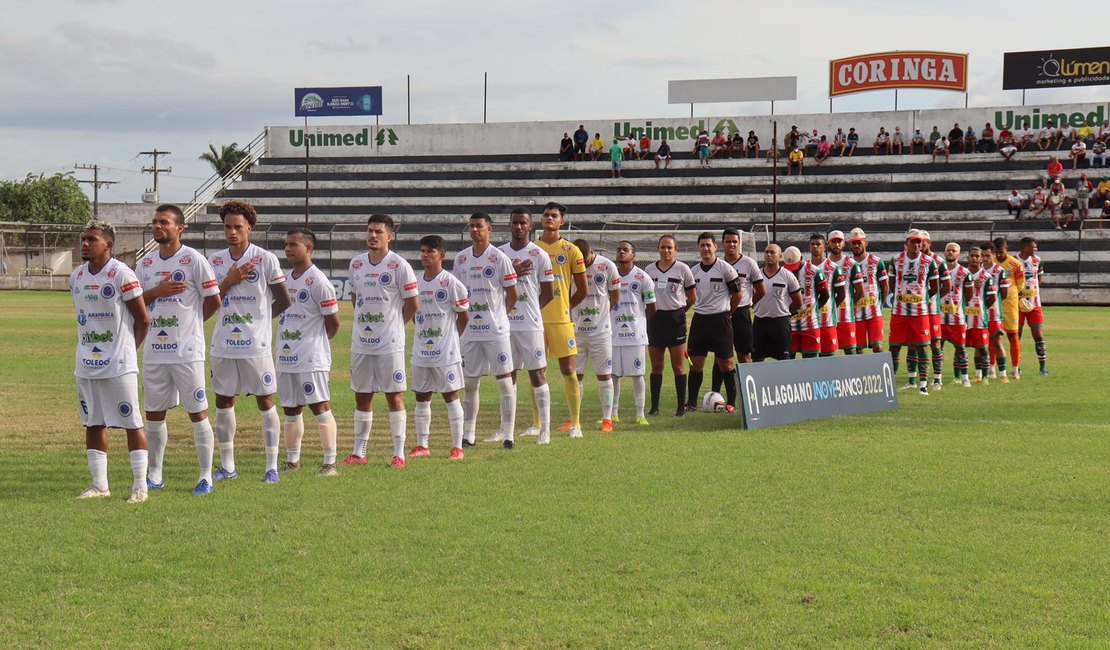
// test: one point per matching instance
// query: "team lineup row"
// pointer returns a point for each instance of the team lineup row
(502, 310)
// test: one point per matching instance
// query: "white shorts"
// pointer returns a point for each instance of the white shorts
(600, 351)
(628, 361)
(481, 358)
(111, 402)
(165, 385)
(230, 377)
(378, 373)
(528, 350)
(303, 388)
(437, 380)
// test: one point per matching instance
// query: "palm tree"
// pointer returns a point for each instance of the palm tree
(224, 160)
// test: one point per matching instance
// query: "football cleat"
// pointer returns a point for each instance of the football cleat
(222, 474)
(508, 444)
(420, 452)
(909, 384)
(966, 383)
(1044, 373)
(531, 431)
(690, 407)
(327, 469)
(151, 485)
(566, 425)
(138, 495)
(495, 437)
(456, 454)
(1004, 379)
(271, 476)
(937, 385)
(92, 492)
(923, 391)
(606, 427)
(467, 443)
(653, 412)
(354, 460)
(203, 487)
(397, 462)
(642, 421)
(729, 408)
(290, 466)
(544, 439)
(680, 413)
(576, 432)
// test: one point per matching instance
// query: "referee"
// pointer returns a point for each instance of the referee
(771, 330)
(718, 294)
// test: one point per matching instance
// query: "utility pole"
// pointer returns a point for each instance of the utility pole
(96, 183)
(154, 167)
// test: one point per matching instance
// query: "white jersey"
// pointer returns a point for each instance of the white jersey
(630, 316)
(243, 328)
(303, 344)
(526, 316)
(177, 322)
(715, 285)
(435, 340)
(486, 276)
(671, 285)
(105, 334)
(591, 316)
(776, 302)
(748, 271)
(379, 291)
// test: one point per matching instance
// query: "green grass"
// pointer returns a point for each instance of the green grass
(971, 518)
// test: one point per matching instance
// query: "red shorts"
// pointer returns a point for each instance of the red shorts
(1034, 317)
(976, 337)
(805, 341)
(934, 326)
(910, 330)
(869, 331)
(954, 334)
(995, 327)
(846, 335)
(828, 340)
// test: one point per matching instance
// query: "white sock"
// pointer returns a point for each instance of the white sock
(615, 411)
(363, 421)
(328, 432)
(605, 394)
(423, 423)
(507, 389)
(271, 428)
(294, 433)
(156, 446)
(470, 407)
(398, 422)
(138, 468)
(225, 434)
(455, 423)
(638, 394)
(98, 467)
(203, 439)
(543, 403)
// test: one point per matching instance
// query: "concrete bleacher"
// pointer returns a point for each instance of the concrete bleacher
(962, 200)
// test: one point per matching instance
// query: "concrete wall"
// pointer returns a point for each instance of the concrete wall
(544, 137)
(127, 213)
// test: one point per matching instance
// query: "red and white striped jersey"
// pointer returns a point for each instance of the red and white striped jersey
(952, 304)
(874, 272)
(835, 275)
(1001, 284)
(811, 279)
(1033, 272)
(982, 285)
(912, 276)
(942, 264)
(853, 274)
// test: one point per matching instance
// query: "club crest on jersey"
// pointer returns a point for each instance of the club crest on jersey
(452, 377)
(178, 276)
(502, 358)
(199, 394)
(125, 409)
(112, 273)
(252, 276)
(399, 376)
(538, 353)
(267, 379)
(635, 286)
(570, 342)
(440, 295)
(487, 272)
(185, 260)
(303, 295)
(308, 388)
(385, 278)
(107, 291)
(560, 259)
(357, 264)
(599, 279)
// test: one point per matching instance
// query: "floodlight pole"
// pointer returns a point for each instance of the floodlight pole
(774, 181)
(485, 94)
(306, 172)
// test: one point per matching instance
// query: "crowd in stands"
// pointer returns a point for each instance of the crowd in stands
(1064, 205)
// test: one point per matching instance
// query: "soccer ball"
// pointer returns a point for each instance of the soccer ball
(1025, 305)
(713, 403)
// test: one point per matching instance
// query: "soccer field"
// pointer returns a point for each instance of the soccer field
(971, 517)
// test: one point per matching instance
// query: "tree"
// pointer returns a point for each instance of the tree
(224, 160)
(40, 199)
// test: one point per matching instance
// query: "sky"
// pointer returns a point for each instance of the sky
(98, 81)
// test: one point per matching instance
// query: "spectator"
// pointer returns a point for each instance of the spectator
(1046, 136)
(736, 145)
(1015, 203)
(1105, 214)
(814, 141)
(581, 139)
(1104, 132)
(940, 145)
(1026, 137)
(917, 140)
(718, 145)
(1057, 185)
(645, 146)
(701, 148)
(1083, 196)
(1104, 189)
(840, 140)
(1038, 203)
(796, 157)
(597, 147)
(969, 140)
(1054, 169)
(1087, 132)
(853, 142)
(1064, 135)
(753, 145)
(1098, 154)
(1054, 203)
(616, 156)
(882, 142)
(566, 148)
(630, 147)
(956, 137)
(986, 139)
(1008, 148)
(824, 150)
(1078, 152)
(664, 154)
(1067, 213)
(897, 140)
(802, 141)
(791, 138)
(934, 135)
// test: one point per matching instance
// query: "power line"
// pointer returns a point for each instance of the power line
(96, 183)
(154, 169)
